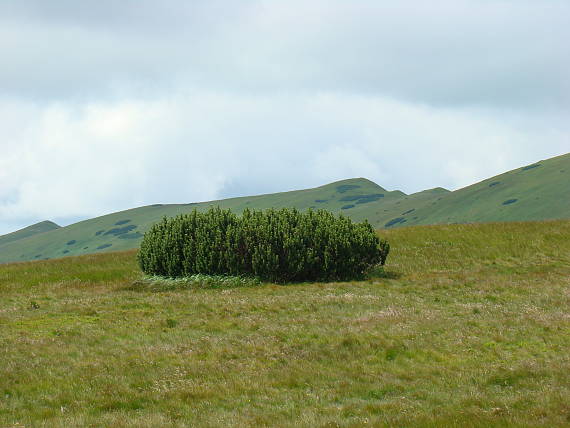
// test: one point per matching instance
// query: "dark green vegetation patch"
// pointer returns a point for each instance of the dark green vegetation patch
(121, 222)
(121, 230)
(363, 199)
(346, 187)
(526, 168)
(99, 232)
(395, 221)
(102, 247)
(409, 211)
(321, 201)
(276, 245)
(73, 241)
(494, 183)
(510, 201)
(347, 207)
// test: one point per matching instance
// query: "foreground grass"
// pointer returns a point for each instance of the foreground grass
(470, 327)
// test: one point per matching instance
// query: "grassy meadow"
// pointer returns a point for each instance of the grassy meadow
(469, 326)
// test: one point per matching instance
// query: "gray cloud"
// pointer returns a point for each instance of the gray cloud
(445, 52)
(108, 105)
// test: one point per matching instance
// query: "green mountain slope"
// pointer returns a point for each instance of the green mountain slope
(34, 229)
(540, 191)
(535, 192)
(391, 212)
(124, 230)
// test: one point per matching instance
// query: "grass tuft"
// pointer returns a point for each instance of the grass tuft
(160, 283)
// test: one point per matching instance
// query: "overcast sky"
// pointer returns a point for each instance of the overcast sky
(108, 105)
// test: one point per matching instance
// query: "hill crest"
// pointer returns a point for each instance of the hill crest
(26, 232)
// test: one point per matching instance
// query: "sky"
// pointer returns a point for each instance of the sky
(110, 105)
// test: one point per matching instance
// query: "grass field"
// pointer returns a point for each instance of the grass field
(469, 327)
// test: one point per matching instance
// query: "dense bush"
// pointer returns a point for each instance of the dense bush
(275, 245)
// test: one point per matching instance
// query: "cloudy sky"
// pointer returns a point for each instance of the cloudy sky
(108, 105)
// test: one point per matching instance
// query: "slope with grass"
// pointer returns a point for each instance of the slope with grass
(539, 191)
(468, 327)
(124, 230)
(536, 192)
(34, 229)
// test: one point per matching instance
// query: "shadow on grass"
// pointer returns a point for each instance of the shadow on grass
(389, 275)
(380, 272)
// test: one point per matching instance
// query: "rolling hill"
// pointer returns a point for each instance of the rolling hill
(34, 229)
(124, 230)
(539, 191)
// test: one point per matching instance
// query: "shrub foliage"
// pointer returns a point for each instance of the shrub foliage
(275, 245)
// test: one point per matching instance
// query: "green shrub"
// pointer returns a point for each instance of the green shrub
(275, 245)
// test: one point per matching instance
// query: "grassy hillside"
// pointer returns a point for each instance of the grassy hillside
(539, 191)
(535, 192)
(391, 213)
(123, 230)
(44, 226)
(469, 328)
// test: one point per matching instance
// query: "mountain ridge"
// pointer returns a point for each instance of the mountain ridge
(537, 191)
